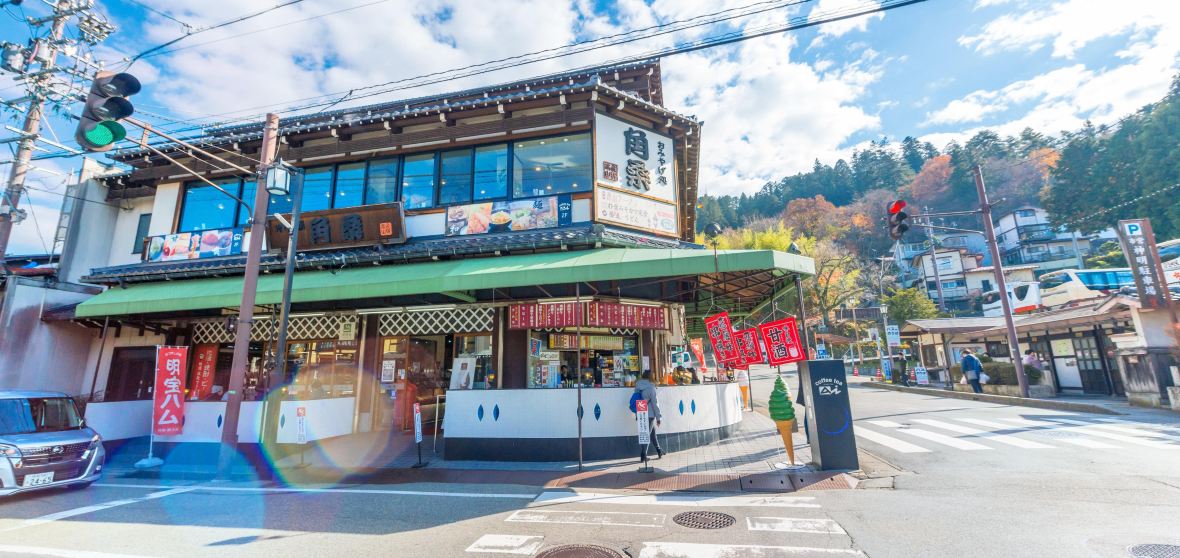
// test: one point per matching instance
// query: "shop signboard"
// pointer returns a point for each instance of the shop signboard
(342, 227)
(388, 371)
(920, 374)
(635, 212)
(535, 347)
(204, 366)
(641, 422)
(168, 400)
(622, 315)
(417, 424)
(887, 369)
(544, 315)
(698, 350)
(505, 216)
(633, 159)
(1139, 247)
(463, 373)
(782, 342)
(821, 352)
(301, 425)
(597, 342)
(893, 334)
(194, 245)
(748, 350)
(720, 332)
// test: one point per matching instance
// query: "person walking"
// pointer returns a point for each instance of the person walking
(972, 368)
(647, 390)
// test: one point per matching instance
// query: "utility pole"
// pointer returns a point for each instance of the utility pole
(934, 264)
(985, 209)
(237, 375)
(32, 127)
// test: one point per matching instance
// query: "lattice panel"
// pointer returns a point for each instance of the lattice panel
(266, 328)
(466, 319)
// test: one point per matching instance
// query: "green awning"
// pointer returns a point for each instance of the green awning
(551, 268)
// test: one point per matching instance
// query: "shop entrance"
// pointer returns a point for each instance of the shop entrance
(421, 368)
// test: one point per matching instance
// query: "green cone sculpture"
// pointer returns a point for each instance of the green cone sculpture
(782, 412)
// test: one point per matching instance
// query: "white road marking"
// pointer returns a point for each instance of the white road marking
(620, 519)
(1096, 430)
(671, 499)
(61, 552)
(507, 544)
(932, 436)
(215, 488)
(1001, 438)
(95, 508)
(695, 550)
(1135, 431)
(1083, 442)
(889, 441)
(1149, 425)
(794, 525)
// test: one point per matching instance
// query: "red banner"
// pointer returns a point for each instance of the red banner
(698, 350)
(204, 366)
(168, 403)
(748, 350)
(621, 315)
(782, 342)
(542, 316)
(721, 336)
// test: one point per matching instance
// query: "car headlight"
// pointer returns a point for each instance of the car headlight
(95, 441)
(10, 451)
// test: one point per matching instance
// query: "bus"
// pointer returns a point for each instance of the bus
(1024, 296)
(1062, 287)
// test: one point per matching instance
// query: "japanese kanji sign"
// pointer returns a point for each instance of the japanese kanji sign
(782, 342)
(748, 350)
(721, 335)
(633, 159)
(168, 403)
(545, 315)
(1138, 243)
(204, 366)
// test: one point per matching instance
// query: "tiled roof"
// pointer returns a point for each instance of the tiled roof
(577, 237)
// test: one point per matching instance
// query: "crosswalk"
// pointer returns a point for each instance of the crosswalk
(925, 435)
(775, 526)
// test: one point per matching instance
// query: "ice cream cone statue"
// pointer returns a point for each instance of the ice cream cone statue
(782, 411)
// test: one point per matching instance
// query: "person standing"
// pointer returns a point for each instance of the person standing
(972, 368)
(647, 390)
(1031, 359)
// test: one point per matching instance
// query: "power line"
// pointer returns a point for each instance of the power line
(158, 12)
(207, 28)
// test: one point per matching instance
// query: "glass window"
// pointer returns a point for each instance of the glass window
(350, 185)
(454, 184)
(491, 172)
(381, 184)
(207, 208)
(141, 232)
(552, 166)
(418, 181)
(317, 189)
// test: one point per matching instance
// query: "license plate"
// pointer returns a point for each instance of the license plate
(38, 479)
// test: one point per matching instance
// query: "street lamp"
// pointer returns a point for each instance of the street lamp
(283, 180)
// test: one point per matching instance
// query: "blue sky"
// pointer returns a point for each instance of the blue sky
(941, 70)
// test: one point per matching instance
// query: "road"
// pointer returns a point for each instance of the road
(954, 478)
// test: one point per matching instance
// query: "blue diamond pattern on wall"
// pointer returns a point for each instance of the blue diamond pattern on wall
(496, 412)
(597, 411)
(682, 406)
(479, 413)
(283, 417)
(693, 405)
(219, 418)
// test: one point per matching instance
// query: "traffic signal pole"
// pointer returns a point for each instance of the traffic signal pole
(237, 375)
(29, 132)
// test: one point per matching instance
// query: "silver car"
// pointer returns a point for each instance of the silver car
(44, 443)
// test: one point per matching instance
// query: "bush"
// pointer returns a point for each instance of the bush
(1001, 373)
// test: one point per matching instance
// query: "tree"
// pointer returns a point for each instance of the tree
(1107, 256)
(911, 151)
(933, 182)
(835, 282)
(910, 304)
(813, 217)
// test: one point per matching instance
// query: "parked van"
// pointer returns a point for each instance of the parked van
(44, 443)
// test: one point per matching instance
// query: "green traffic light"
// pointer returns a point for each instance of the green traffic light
(105, 133)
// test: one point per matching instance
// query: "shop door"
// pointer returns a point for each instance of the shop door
(132, 374)
(1090, 365)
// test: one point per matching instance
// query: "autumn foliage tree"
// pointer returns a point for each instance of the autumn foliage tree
(933, 182)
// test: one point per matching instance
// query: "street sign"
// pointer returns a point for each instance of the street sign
(417, 423)
(821, 351)
(301, 424)
(641, 422)
(1139, 247)
(887, 369)
(893, 334)
(921, 375)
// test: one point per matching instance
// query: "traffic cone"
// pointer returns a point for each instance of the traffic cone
(787, 428)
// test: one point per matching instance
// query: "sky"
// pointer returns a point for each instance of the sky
(940, 70)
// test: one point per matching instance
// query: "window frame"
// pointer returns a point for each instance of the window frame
(183, 205)
(143, 227)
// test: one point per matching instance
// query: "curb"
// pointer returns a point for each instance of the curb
(1002, 399)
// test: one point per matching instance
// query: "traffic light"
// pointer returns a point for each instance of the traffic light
(106, 104)
(897, 219)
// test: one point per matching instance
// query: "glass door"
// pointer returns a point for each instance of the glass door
(1091, 365)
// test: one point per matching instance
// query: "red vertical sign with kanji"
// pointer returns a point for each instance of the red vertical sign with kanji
(204, 366)
(782, 342)
(168, 403)
(721, 335)
(748, 350)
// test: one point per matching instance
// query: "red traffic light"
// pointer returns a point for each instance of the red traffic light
(897, 206)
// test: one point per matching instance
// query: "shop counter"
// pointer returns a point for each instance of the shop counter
(325, 418)
(542, 424)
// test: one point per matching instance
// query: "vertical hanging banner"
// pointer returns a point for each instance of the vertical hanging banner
(698, 350)
(204, 366)
(721, 336)
(748, 350)
(168, 403)
(782, 342)
(1138, 242)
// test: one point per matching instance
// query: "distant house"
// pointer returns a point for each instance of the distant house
(1026, 236)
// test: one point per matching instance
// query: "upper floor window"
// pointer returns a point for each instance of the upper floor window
(205, 207)
(418, 181)
(552, 166)
(454, 178)
(141, 232)
(1026, 213)
(381, 184)
(491, 172)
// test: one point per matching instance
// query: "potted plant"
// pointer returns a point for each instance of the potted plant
(782, 412)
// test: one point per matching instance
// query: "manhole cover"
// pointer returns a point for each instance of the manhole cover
(704, 520)
(1155, 551)
(578, 551)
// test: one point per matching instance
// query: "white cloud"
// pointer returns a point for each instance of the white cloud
(825, 8)
(1069, 25)
(977, 105)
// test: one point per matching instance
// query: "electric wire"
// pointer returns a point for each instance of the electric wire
(190, 33)
(158, 12)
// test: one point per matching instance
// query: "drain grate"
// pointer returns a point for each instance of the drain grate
(1155, 551)
(578, 551)
(704, 520)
